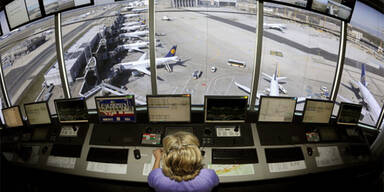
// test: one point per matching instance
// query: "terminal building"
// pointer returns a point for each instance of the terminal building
(273, 95)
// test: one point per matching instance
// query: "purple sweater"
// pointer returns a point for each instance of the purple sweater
(204, 182)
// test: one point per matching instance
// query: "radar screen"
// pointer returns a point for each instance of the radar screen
(169, 108)
(71, 110)
(349, 113)
(317, 111)
(37, 113)
(276, 109)
(225, 108)
(116, 108)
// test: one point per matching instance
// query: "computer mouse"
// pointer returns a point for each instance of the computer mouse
(310, 151)
(137, 154)
(44, 150)
(202, 153)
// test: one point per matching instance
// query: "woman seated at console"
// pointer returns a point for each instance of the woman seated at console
(182, 169)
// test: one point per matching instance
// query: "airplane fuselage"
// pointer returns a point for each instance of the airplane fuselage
(373, 107)
(274, 87)
(145, 63)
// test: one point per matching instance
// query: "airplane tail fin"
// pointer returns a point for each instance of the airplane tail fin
(362, 78)
(172, 52)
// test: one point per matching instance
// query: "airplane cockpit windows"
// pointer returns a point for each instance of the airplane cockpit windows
(106, 50)
(214, 45)
(299, 54)
(27, 54)
(363, 76)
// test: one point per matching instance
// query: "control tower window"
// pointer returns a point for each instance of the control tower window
(299, 54)
(105, 50)
(363, 76)
(215, 46)
(27, 54)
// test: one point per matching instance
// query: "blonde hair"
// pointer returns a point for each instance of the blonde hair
(182, 157)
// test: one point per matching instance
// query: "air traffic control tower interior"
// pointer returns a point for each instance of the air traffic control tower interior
(283, 95)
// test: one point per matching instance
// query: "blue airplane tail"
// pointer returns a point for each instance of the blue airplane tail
(172, 52)
(362, 78)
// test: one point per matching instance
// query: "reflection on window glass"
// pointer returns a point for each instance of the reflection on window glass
(299, 55)
(363, 76)
(215, 46)
(27, 54)
(104, 45)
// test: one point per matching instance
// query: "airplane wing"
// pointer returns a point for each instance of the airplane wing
(281, 78)
(268, 76)
(142, 69)
(344, 99)
(137, 49)
(243, 87)
(142, 57)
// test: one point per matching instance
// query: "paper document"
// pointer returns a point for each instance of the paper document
(328, 156)
(233, 169)
(107, 167)
(148, 166)
(286, 166)
(61, 162)
(68, 132)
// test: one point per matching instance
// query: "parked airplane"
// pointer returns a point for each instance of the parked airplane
(131, 15)
(142, 64)
(141, 10)
(135, 46)
(371, 106)
(133, 28)
(279, 27)
(136, 34)
(131, 23)
(274, 87)
(166, 18)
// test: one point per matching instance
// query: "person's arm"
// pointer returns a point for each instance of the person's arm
(157, 153)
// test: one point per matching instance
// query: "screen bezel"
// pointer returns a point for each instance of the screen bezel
(177, 95)
(69, 100)
(317, 100)
(111, 97)
(206, 97)
(71, 8)
(278, 97)
(309, 8)
(21, 115)
(342, 104)
(49, 113)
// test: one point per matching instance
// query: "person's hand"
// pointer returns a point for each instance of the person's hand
(157, 153)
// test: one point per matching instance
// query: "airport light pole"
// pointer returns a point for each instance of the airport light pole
(152, 54)
(3, 86)
(60, 57)
(340, 61)
(257, 57)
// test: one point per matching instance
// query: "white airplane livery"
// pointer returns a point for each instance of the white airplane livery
(279, 27)
(131, 23)
(136, 34)
(142, 64)
(371, 107)
(274, 87)
(133, 28)
(135, 46)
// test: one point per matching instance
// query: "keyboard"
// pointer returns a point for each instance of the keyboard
(278, 155)
(234, 156)
(119, 156)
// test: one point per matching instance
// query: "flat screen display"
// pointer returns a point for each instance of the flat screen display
(54, 6)
(33, 8)
(116, 109)
(277, 109)
(301, 3)
(317, 111)
(341, 9)
(349, 114)
(71, 110)
(225, 108)
(17, 14)
(37, 113)
(12, 117)
(169, 108)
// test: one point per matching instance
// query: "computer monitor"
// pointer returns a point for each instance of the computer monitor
(37, 113)
(276, 109)
(13, 117)
(317, 111)
(71, 110)
(169, 108)
(225, 109)
(116, 108)
(349, 113)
